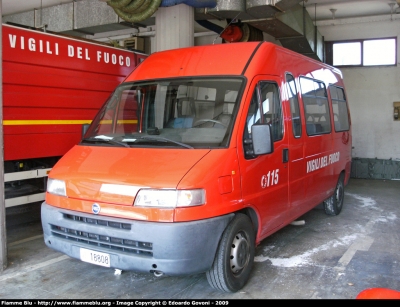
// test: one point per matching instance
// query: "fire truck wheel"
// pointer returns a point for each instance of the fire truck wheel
(235, 256)
(333, 205)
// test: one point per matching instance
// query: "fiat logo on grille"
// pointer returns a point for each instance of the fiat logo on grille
(96, 208)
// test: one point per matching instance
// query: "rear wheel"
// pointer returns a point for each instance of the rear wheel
(333, 205)
(235, 256)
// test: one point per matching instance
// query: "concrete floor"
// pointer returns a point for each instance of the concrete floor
(327, 258)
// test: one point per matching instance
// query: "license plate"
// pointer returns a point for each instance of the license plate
(94, 257)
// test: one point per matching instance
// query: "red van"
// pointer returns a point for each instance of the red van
(199, 155)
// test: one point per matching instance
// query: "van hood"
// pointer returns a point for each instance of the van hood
(114, 175)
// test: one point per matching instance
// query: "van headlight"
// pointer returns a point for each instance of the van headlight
(56, 186)
(170, 198)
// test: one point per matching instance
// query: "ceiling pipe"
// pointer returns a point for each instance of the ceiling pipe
(131, 11)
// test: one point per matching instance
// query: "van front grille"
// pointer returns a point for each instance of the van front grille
(108, 242)
(97, 221)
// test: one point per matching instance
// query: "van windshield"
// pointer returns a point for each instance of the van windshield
(183, 113)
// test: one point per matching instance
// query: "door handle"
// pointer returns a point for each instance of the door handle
(285, 155)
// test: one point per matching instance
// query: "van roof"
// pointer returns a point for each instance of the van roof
(233, 59)
(220, 59)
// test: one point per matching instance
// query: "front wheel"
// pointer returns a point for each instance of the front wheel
(235, 256)
(333, 205)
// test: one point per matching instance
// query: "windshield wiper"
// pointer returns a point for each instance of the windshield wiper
(163, 139)
(105, 140)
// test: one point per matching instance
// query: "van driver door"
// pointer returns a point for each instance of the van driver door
(265, 177)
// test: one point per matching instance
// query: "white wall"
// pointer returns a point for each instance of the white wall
(371, 91)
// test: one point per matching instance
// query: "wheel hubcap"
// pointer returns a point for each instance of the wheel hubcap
(239, 253)
(339, 195)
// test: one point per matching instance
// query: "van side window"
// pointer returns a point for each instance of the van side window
(128, 112)
(294, 105)
(108, 114)
(265, 101)
(340, 110)
(316, 106)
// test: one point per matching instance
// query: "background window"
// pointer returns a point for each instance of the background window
(347, 54)
(380, 52)
(364, 52)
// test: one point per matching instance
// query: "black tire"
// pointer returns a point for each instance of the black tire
(333, 205)
(235, 256)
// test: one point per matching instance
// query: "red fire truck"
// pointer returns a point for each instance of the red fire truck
(52, 84)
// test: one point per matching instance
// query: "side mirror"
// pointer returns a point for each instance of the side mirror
(85, 127)
(262, 139)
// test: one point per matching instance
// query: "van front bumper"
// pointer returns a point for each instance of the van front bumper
(171, 248)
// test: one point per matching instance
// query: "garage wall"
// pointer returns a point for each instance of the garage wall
(67, 16)
(371, 91)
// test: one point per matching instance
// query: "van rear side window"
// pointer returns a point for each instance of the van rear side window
(294, 105)
(316, 106)
(339, 107)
